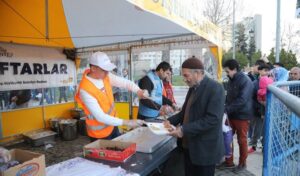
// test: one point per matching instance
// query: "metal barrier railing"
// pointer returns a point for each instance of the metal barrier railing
(282, 130)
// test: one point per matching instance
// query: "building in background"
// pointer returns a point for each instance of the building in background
(298, 9)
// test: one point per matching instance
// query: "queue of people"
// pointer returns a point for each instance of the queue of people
(198, 124)
(200, 117)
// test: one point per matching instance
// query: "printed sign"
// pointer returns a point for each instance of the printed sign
(29, 170)
(28, 67)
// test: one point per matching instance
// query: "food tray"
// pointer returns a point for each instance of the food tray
(146, 141)
(158, 128)
(40, 137)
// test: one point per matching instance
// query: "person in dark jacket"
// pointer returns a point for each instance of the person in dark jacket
(256, 104)
(257, 120)
(201, 121)
(238, 107)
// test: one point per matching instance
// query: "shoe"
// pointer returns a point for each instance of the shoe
(251, 149)
(239, 169)
(225, 165)
(248, 140)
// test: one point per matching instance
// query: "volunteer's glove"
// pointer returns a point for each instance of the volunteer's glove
(143, 94)
(133, 123)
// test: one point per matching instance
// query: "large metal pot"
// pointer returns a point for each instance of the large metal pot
(54, 124)
(76, 113)
(68, 129)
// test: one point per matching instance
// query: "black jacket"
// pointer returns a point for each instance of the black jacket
(204, 128)
(257, 107)
(239, 97)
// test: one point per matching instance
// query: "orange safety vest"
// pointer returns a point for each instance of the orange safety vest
(105, 99)
(164, 92)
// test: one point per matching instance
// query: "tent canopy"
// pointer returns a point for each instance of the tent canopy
(87, 23)
(82, 23)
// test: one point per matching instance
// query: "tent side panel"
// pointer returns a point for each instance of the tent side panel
(20, 121)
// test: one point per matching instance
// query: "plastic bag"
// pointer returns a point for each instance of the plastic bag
(5, 155)
(228, 143)
(227, 136)
(225, 127)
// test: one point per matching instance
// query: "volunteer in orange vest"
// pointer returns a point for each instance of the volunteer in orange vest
(96, 97)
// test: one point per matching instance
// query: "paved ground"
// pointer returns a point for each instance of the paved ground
(175, 165)
(61, 150)
(254, 163)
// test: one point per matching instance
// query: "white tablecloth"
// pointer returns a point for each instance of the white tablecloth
(82, 167)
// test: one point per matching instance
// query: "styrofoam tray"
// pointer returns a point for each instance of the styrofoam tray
(157, 128)
(146, 141)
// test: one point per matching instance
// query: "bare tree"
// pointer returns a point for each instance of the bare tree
(219, 12)
(290, 38)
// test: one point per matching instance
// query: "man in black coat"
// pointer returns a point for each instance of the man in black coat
(239, 108)
(199, 123)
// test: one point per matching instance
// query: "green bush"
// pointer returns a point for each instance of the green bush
(177, 80)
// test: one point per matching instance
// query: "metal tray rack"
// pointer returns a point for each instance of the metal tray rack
(40, 137)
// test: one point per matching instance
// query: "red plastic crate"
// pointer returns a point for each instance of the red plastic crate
(97, 150)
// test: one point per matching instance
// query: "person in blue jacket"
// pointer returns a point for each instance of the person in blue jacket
(150, 108)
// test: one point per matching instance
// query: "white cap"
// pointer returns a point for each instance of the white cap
(101, 60)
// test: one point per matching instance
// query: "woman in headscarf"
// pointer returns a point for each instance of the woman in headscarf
(279, 74)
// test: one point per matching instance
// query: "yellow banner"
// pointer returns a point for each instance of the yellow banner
(184, 14)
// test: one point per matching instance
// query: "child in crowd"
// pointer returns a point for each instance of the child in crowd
(264, 81)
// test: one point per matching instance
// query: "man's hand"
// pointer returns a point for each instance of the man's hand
(142, 94)
(175, 107)
(166, 110)
(133, 123)
(163, 110)
(177, 132)
(168, 125)
(169, 110)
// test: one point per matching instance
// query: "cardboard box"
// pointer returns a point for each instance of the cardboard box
(103, 149)
(31, 163)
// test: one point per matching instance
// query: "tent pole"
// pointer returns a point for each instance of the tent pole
(46, 21)
(130, 76)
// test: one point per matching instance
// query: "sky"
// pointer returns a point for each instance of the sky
(267, 8)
